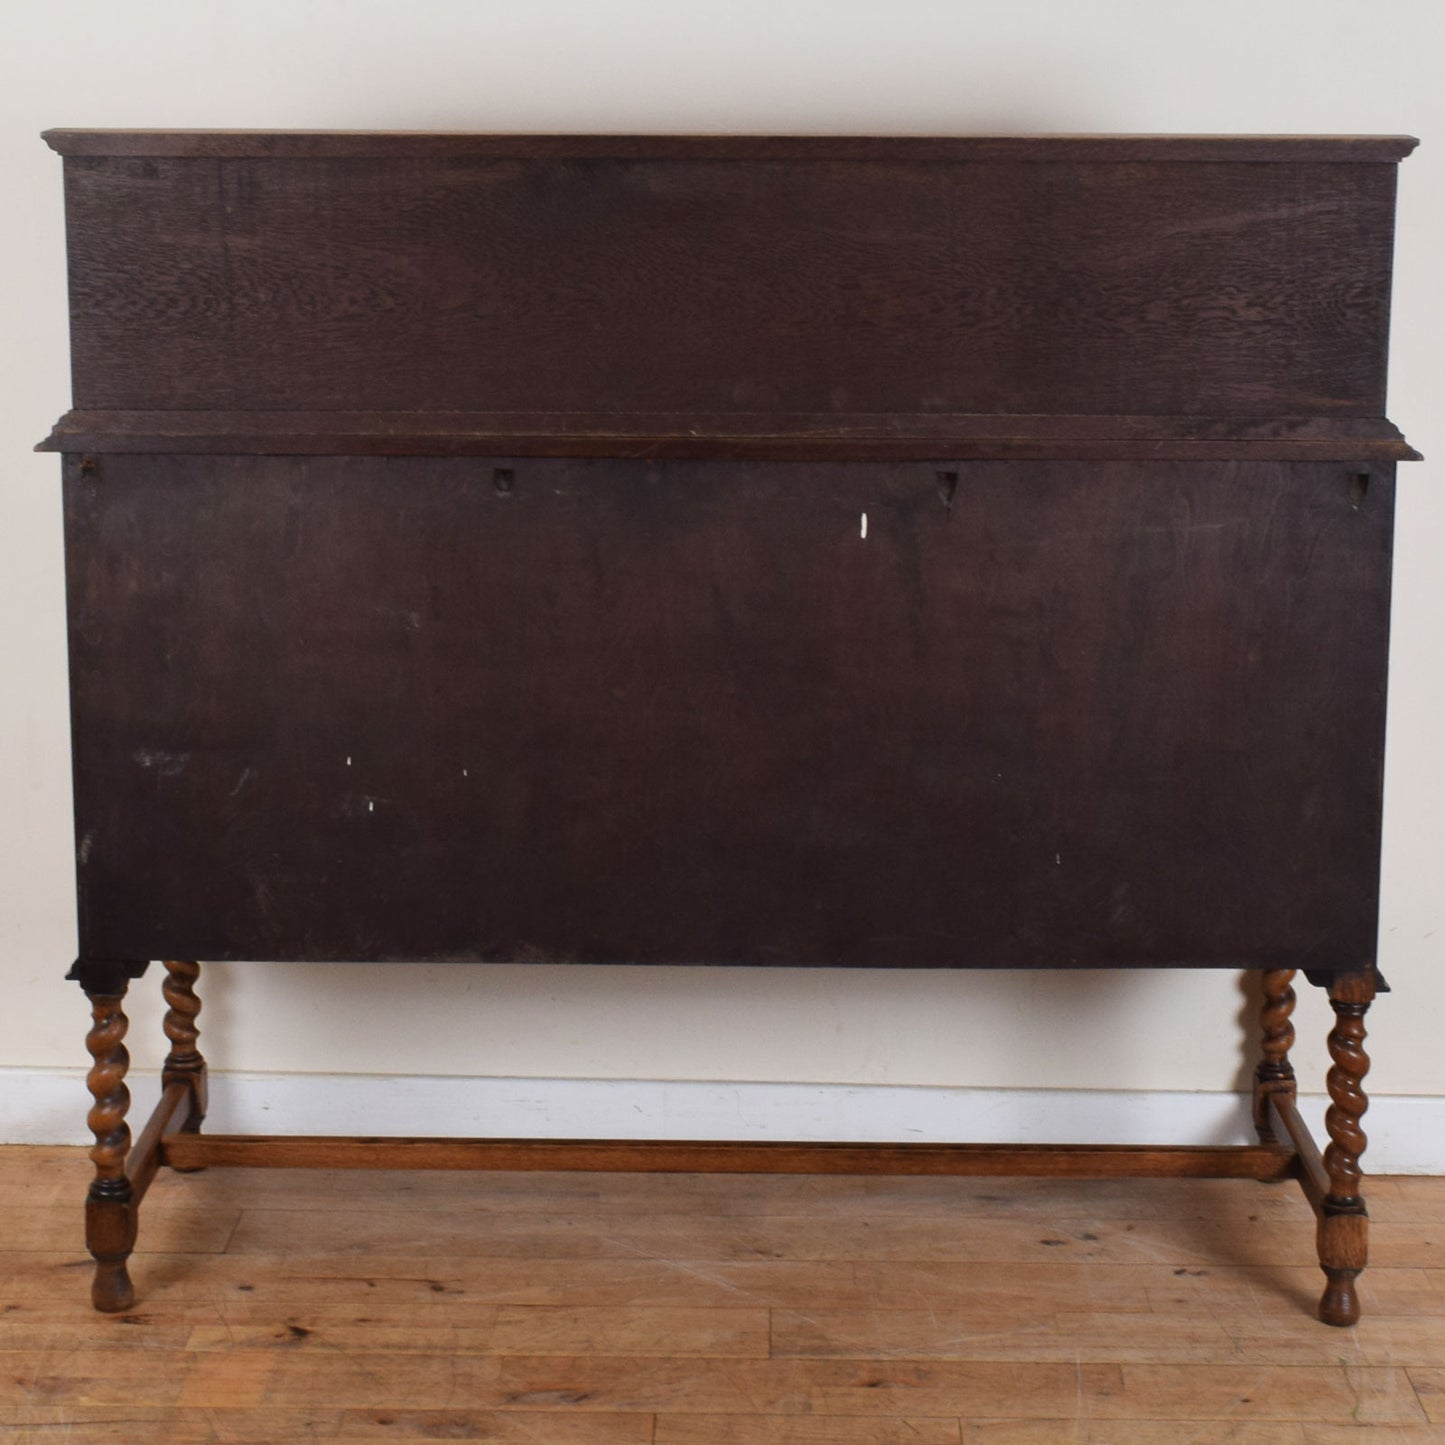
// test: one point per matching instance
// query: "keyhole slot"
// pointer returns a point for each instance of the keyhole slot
(947, 487)
(1359, 489)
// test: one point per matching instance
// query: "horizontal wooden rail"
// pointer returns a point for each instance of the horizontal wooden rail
(1077, 1161)
(232, 144)
(767, 436)
(145, 1155)
(1311, 1165)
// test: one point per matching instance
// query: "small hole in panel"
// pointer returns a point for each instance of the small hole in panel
(503, 479)
(1359, 489)
(947, 487)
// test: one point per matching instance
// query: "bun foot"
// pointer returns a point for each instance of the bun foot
(1340, 1305)
(112, 1291)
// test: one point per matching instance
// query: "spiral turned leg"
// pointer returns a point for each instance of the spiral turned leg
(184, 1063)
(1275, 1074)
(1343, 1224)
(109, 1207)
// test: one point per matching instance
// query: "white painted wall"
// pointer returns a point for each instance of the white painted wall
(741, 65)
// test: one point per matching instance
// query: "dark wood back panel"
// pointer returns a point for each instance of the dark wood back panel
(709, 279)
(1045, 713)
(468, 560)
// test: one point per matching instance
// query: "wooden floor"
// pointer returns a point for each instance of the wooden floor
(556, 1309)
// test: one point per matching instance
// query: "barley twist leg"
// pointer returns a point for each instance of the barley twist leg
(109, 1208)
(184, 1063)
(1275, 1074)
(1343, 1222)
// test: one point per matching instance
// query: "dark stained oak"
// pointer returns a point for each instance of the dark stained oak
(1102, 284)
(1020, 149)
(735, 435)
(843, 551)
(378, 708)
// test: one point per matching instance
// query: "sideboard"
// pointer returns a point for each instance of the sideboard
(854, 552)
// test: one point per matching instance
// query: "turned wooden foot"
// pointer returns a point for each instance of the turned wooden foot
(1343, 1231)
(1275, 1074)
(110, 1208)
(184, 1062)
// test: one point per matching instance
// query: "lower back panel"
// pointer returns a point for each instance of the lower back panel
(917, 715)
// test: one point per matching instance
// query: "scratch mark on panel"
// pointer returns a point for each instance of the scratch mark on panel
(166, 764)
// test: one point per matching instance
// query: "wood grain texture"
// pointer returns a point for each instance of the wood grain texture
(292, 1283)
(110, 1061)
(1350, 999)
(1157, 1337)
(1430, 1383)
(172, 1113)
(755, 436)
(1068, 714)
(1343, 1221)
(1078, 1161)
(774, 551)
(798, 280)
(1274, 1074)
(184, 1062)
(110, 1204)
(182, 1010)
(748, 1430)
(799, 1430)
(1019, 148)
(1291, 1126)
(462, 1233)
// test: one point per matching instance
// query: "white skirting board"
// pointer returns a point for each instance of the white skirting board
(1406, 1132)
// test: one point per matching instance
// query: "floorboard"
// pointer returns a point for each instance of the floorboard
(286, 1306)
